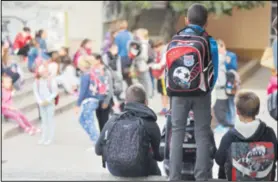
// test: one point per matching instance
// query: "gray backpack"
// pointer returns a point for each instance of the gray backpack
(126, 146)
(272, 105)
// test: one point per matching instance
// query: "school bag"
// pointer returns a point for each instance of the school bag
(98, 82)
(232, 83)
(134, 49)
(272, 105)
(189, 70)
(157, 73)
(57, 98)
(125, 144)
(251, 161)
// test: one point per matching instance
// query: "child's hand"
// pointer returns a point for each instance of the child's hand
(104, 106)
(76, 110)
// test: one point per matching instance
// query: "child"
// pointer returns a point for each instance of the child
(88, 98)
(45, 91)
(54, 64)
(101, 72)
(247, 129)
(221, 105)
(158, 72)
(33, 54)
(9, 111)
(68, 74)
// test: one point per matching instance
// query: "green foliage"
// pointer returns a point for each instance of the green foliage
(217, 7)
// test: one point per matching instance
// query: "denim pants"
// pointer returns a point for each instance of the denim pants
(87, 119)
(231, 115)
(201, 106)
(48, 124)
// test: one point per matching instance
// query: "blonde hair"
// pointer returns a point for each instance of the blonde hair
(143, 32)
(86, 61)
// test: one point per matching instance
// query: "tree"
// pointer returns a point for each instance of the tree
(174, 9)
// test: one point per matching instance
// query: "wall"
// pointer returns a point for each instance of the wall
(246, 32)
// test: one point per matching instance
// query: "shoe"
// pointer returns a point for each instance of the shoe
(27, 130)
(163, 112)
(220, 129)
(47, 142)
(32, 132)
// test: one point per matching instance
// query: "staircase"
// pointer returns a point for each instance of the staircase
(25, 101)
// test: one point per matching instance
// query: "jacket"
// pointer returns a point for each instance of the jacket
(221, 81)
(149, 118)
(233, 64)
(20, 41)
(254, 131)
(141, 61)
(213, 49)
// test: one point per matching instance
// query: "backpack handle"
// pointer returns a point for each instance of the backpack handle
(199, 33)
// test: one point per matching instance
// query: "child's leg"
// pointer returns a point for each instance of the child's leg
(50, 122)
(102, 116)
(24, 119)
(43, 112)
(13, 115)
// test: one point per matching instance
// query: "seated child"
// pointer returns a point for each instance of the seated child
(239, 147)
(9, 111)
(128, 152)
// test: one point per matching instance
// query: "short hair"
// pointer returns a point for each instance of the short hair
(85, 61)
(136, 93)
(143, 32)
(221, 43)
(248, 104)
(26, 29)
(197, 14)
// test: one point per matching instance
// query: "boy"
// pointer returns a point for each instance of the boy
(247, 129)
(158, 68)
(201, 105)
(114, 142)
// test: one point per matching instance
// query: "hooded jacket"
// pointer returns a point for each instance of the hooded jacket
(255, 131)
(149, 118)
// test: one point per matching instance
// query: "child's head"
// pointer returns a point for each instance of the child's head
(42, 71)
(64, 51)
(247, 105)
(35, 43)
(143, 34)
(86, 44)
(197, 14)
(55, 56)
(158, 44)
(41, 34)
(136, 93)
(114, 49)
(7, 82)
(221, 46)
(98, 60)
(85, 63)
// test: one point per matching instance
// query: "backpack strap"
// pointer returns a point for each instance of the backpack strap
(198, 32)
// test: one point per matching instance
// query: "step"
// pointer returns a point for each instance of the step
(65, 103)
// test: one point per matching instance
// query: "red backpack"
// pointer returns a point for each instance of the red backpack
(50, 89)
(99, 81)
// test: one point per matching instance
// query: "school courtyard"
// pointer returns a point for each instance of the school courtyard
(68, 159)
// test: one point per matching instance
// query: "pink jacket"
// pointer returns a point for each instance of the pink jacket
(6, 97)
(272, 85)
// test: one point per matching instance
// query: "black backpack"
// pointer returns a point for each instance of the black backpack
(189, 64)
(272, 105)
(126, 145)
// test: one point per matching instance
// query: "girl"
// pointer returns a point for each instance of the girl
(45, 90)
(41, 36)
(68, 75)
(88, 98)
(54, 64)
(9, 111)
(85, 49)
(141, 61)
(102, 72)
(33, 54)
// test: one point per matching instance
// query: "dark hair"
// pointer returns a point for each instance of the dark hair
(157, 43)
(39, 33)
(197, 14)
(136, 93)
(248, 104)
(66, 60)
(66, 49)
(26, 29)
(84, 42)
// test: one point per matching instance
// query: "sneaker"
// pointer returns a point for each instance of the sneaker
(220, 129)
(163, 112)
(31, 132)
(27, 130)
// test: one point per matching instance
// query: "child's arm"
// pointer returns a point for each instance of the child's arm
(54, 91)
(36, 92)
(233, 61)
(84, 86)
(110, 89)
(222, 152)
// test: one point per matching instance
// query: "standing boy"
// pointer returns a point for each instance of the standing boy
(194, 90)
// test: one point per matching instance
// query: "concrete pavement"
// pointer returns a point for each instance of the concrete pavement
(68, 159)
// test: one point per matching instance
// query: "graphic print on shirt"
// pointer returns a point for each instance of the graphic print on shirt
(252, 161)
(99, 82)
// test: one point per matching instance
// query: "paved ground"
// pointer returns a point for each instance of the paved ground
(67, 158)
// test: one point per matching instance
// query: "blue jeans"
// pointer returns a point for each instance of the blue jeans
(87, 119)
(231, 115)
(48, 124)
